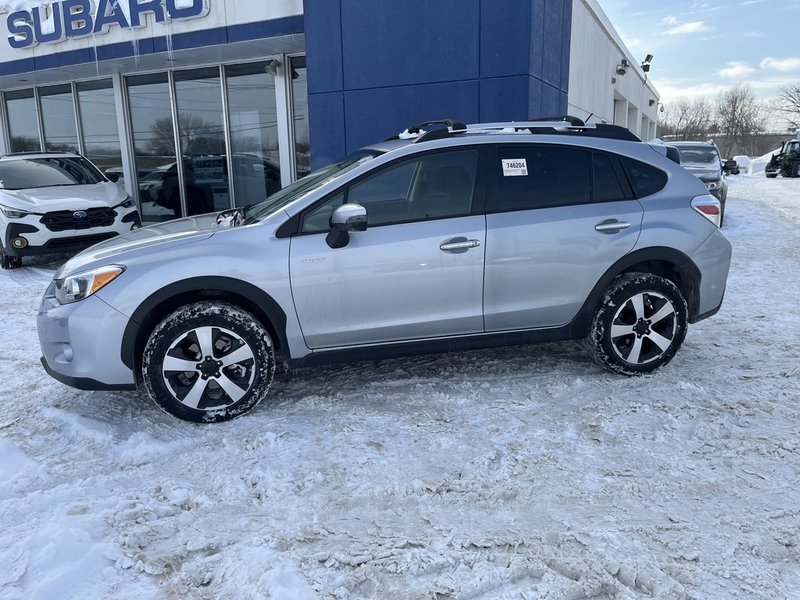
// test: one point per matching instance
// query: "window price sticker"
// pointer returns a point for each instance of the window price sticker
(515, 167)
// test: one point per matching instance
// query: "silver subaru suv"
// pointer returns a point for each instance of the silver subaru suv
(447, 236)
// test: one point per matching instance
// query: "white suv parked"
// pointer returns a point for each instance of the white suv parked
(57, 202)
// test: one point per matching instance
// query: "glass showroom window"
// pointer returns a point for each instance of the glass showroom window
(58, 119)
(154, 146)
(302, 146)
(99, 124)
(23, 123)
(202, 135)
(253, 117)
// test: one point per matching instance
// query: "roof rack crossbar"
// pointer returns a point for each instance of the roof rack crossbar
(452, 124)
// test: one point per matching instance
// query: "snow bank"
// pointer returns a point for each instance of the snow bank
(757, 165)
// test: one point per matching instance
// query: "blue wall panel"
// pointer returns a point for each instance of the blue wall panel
(323, 46)
(505, 99)
(552, 54)
(505, 38)
(390, 43)
(327, 127)
(378, 113)
(397, 63)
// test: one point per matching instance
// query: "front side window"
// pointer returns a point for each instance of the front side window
(47, 172)
(431, 187)
(533, 177)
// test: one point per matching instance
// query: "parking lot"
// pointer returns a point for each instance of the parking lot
(523, 472)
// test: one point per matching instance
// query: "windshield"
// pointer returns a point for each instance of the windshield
(21, 174)
(696, 154)
(307, 184)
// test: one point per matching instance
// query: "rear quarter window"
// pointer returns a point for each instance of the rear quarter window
(645, 179)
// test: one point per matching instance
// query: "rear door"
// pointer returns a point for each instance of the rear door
(559, 217)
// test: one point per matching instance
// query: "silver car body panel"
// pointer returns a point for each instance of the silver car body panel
(390, 283)
(73, 339)
(542, 264)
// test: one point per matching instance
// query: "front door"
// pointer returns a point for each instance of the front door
(416, 273)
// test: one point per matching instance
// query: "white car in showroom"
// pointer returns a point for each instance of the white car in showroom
(57, 202)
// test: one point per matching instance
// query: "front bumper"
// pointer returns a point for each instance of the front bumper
(42, 241)
(81, 343)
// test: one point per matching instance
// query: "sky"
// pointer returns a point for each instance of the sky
(703, 48)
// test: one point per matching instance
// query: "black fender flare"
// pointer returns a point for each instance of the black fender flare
(160, 303)
(689, 275)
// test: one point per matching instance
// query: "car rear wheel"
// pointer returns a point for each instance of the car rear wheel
(639, 325)
(208, 362)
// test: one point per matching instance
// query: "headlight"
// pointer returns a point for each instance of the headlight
(13, 213)
(713, 185)
(82, 285)
(129, 203)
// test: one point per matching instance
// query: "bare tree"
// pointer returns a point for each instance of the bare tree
(197, 136)
(787, 104)
(739, 118)
(687, 119)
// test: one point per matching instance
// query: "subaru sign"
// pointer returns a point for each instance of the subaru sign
(67, 19)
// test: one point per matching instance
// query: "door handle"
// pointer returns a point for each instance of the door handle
(458, 245)
(611, 226)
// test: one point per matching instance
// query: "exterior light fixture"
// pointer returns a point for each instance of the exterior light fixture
(272, 66)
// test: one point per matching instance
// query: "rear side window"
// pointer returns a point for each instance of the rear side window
(533, 177)
(645, 179)
(607, 186)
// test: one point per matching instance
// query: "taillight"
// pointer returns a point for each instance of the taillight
(709, 207)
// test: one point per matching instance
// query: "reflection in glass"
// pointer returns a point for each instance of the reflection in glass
(302, 146)
(99, 123)
(58, 118)
(202, 131)
(23, 127)
(154, 146)
(254, 132)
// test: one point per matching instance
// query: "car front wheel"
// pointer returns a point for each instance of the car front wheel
(208, 362)
(640, 324)
(9, 262)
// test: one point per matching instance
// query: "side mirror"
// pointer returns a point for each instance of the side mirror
(346, 218)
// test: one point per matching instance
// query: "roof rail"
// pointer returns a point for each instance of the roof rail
(418, 134)
(566, 125)
(599, 130)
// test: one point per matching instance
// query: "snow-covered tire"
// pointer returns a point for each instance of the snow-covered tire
(9, 262)
(208, 362)
(639, 325)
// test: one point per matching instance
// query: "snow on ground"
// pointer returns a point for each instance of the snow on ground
(522, 472)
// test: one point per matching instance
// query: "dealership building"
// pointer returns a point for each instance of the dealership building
(252, 94)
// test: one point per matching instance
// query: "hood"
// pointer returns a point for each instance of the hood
(120, 248)
(67, 197)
